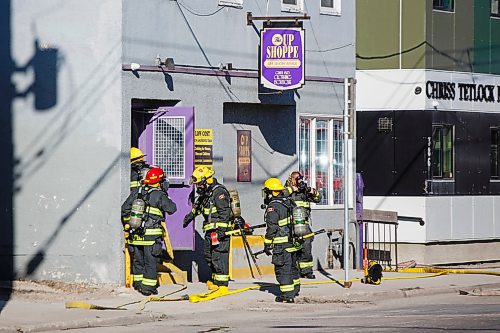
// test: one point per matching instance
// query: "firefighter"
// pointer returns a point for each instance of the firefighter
(302, 196)
(147, 238)
(278, 240)
(214, 204)
(138, 168)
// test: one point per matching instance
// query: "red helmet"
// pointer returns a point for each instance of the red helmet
(154, 176)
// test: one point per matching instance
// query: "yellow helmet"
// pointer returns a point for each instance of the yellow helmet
(201, 174)
(273, 184)
(136, 155)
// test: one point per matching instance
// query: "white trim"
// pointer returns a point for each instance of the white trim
(231, 3)
(335, 10)
(297, 8)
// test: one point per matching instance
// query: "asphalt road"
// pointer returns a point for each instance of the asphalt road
(438, 313)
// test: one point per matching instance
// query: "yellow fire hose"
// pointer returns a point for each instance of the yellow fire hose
(203, 297)
(142, 303)
(448, 271)
(195, 298)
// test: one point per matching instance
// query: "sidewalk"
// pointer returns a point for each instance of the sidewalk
(21, 314)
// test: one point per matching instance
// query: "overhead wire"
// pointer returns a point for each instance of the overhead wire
(195, 13)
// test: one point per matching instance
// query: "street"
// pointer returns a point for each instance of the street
(438, 313)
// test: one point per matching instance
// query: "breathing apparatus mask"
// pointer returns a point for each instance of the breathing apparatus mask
(302, 186)
(267, 196)
(201, 185)
(165, 184)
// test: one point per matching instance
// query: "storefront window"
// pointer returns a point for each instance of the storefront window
(321, 157)
(447, 5)
(495, 8)
(442, 151)
(305, 148)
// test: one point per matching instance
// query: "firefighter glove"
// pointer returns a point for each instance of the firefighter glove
(267, 250)
(188, 219)
(221, 235)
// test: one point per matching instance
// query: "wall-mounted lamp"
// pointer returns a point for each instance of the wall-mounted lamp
(135, 66)
(435, 104)
(169, 62)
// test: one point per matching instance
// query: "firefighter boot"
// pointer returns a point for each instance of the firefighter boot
(211, 285)
(284, 299)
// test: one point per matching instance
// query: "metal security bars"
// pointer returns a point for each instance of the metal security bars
(169, 151)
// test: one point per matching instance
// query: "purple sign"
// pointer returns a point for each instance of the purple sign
(282, 58)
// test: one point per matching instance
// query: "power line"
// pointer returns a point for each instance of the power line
(195, 13)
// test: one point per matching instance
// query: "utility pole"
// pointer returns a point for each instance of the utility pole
(348, 132)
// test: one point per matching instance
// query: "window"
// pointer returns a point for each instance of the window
(442, 151)
(448, 5)
(331, 7)
(494, 156)
(294, 6)
(232, 3)
(495, 8)
(321, 157)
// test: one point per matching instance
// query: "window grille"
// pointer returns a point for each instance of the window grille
(169, 154)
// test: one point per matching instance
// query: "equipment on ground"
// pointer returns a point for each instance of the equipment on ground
(373, 273)
(137, 213)
(248, 253)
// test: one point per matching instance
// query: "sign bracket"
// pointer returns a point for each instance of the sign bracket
(251, 18)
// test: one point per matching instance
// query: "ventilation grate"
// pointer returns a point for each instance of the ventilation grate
(384, 124)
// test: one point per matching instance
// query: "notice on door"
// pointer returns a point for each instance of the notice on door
(203, 147)
(244, 156)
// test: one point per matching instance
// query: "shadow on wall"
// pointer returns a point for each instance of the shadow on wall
(39, 257)
(44, 87)
(277, 123)
(7, 69)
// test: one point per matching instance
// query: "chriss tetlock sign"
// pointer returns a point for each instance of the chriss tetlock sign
(488, 93)
(282, 58)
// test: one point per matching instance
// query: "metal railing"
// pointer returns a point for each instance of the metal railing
(380, 236)
(381, 242)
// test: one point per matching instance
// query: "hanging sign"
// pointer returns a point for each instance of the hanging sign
(244, 156)
(282, 58)
(203, 147)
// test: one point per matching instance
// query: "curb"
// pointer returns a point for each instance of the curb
(147, 317)
(86, 323)
(395, 294)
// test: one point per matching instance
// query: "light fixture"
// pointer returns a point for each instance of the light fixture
(169, 62)
(435, 104)
(225, 66)
(135, 66)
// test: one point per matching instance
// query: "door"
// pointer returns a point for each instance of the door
(167, 140)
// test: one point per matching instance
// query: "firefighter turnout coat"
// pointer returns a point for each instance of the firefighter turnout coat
(215, 206)
(278, 217)
(147, 241)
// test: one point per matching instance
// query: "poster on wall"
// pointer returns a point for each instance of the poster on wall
(282, 58)
(244, 156)
(203, 147)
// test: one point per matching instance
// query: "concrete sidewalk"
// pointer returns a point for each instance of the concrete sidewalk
(32, 315)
